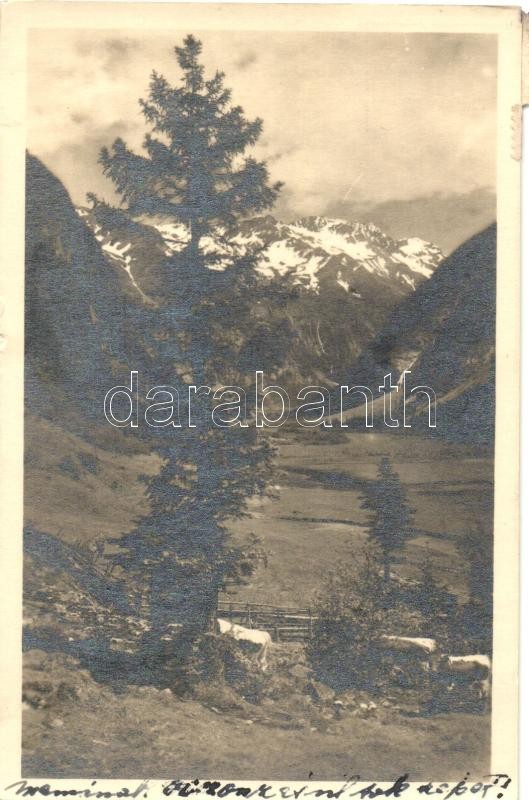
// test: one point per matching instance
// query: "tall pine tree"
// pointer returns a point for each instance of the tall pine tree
(195, 170)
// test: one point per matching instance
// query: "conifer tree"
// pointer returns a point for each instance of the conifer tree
(477, 555)
(436, 603)
(390, 514)
(195, 171)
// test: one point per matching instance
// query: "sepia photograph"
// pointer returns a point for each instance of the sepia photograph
(260, 403)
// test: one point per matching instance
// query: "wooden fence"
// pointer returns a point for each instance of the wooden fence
(284, 623)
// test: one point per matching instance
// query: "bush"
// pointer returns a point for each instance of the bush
(220, 669)
(351, 612)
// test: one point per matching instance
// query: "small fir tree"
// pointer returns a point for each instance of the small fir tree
(390, 515)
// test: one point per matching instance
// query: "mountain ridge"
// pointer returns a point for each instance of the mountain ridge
(306, 251)
(342, 279)
(353, 314)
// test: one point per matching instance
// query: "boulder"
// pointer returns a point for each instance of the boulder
(320, 692)
(300, 671)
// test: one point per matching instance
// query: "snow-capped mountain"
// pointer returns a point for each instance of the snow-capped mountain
(350, 302)
(310, 253)
(303, 249)
(343, 278)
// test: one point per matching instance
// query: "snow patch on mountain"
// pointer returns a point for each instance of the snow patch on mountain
(417, 255)
(117, 252)
(174, 235)
(304, 252)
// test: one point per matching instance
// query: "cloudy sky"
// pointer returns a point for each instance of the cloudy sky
(399, 129)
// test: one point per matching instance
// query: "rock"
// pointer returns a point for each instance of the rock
(348, 699)
(147, 691)
(305, 701)
(366, 710)
(66, 691)
(57, 723)
(300, 671)
(300, 724)
(320, 692)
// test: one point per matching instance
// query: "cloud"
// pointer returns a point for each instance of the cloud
(79, 118)
(274, 156)
(110, 53)
(246, 60)
(446, 219)
(118, 53)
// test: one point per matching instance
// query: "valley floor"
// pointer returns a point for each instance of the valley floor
(317, 520)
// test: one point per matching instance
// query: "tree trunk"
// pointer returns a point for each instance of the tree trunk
(387, 568)
(194, 243)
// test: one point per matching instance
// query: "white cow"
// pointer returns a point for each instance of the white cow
(260, 638)
(410, 644)
(473, 670)
(467, 663)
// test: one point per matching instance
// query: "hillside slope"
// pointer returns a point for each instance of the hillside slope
(73, 304)
(445, 334)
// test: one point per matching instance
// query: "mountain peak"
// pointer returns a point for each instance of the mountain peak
(307, 248)
(337, 224)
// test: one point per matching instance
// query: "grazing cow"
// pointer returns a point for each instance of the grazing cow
(466, 664)
(409, 644)
(462, 673)
(262, 639)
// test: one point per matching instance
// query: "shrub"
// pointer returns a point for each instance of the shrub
(220, 668)
(351, 611)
